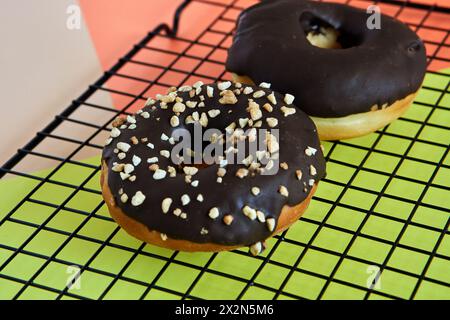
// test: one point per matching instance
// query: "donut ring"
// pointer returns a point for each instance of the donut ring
(213, 206)
(349, 91)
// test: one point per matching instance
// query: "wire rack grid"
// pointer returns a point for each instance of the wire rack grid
(382, 212)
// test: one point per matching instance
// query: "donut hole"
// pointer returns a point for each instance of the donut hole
(322, 34)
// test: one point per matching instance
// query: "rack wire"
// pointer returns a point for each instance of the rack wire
(382, 211)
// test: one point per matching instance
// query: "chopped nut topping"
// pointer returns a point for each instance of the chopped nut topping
(163, 236)
(221, 172)
(283, 191)
(138, 199)
(190, 170)
(249, 212)
(185, 199)
(145, 115)
(204, 231)
(152, 160)
(124, 175)
(165, 205)
(298, 173)
(124, 198)
(164, 137)
(272, 143)
(272, 122)
(284, 165)
(261, 216)
(185, 88)
(287, 111)
(311, 182)
(128, 168)
(248, 90)
(268, 107)
(203, 120)
(310, 151)
(270, 222)
(131, 119)
(255, 112)
(122, 146)
(134, 140)
(288, 98)
(265, 85)
(255, 191)
(183, 215)
(177, 212)
(136, 160)
(115, 132)
(118, 167)
(191, 104)
(118, 122)
(179, 107)
(198, 84)
(153, 167)
(172, 172)
(195, 183)
(132, 126)
(159, 174)
(108, 141)
(256, 248)
(259, 94)
(174, 121)
(132, 178)
(213, 213)
(272, 99)
(151, 145)
(224, 85)
(228, 97)
(200, 197)
(213, 113)
(241, 173)
(228, 219)
(149, 102)
(312, 170)
(219, 180)
(165, 153)
(210, 91)
(243, 122)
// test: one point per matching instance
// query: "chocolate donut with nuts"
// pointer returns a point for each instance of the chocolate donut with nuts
(211, 167)
(351, 76)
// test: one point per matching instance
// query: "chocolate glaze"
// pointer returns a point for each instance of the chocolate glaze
(297, 132)
(373, 68)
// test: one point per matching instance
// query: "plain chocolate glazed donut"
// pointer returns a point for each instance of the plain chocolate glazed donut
(206, 210)
(374, 67)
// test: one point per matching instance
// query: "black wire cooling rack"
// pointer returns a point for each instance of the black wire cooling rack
(288, 269)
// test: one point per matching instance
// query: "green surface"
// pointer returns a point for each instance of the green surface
(73, 236)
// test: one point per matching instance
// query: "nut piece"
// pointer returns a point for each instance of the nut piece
(228, 97)
(288, 98)
(312, 170)
(190, 170)
(165, 205)
(287, 111)
(298, 173)
(137, 199)
(265, 85)
(228, 219)
(159, 174)
(115, 132)
(185, 199)
(255, 191)
(259, 94)
(284, 166)
(124, 198)
(224, 85)
(241, 173)
(213, 213)
(174, 121)
(310, 151)
(261, 216)
(122, 146)
(283, 191)
(256, 248)
(270, 222)
(200, 197)
(179, 107)
(249, 212)
(272, 122)
(272, 99)
(163, 236)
